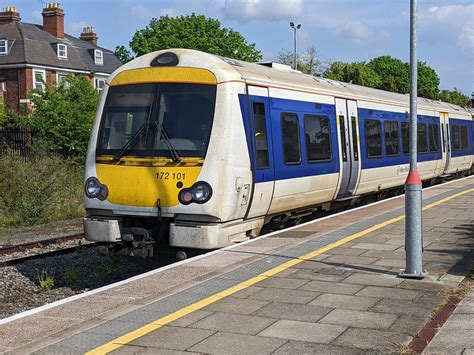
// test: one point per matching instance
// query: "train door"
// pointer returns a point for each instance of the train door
(348, 133)
(262, 159)
(446, 141)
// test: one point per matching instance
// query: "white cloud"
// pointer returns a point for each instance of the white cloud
(360, 32)
(262, 10)
(454, 23)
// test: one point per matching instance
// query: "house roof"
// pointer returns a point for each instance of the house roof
(30, 44)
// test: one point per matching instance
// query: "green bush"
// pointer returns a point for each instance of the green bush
(39, 190)
(62, 117)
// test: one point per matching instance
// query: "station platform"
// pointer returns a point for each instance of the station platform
(327, 286)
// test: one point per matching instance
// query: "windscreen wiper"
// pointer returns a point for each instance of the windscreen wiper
(132, 142)
(174, 153)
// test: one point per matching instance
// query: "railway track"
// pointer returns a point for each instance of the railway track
(25, 247)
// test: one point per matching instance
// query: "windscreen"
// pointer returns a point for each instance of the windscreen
(162, 120)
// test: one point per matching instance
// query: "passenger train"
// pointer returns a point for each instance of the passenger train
(202, 151)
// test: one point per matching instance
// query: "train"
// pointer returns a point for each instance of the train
(200, 151)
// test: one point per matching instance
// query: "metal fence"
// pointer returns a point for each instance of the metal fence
(17, 140)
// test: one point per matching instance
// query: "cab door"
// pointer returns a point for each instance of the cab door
(262, 159)
(348, 134)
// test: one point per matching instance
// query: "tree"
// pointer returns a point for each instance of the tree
(356, 73)
(123, 54)
(393, 73)
(193, 32)
(62, 116)
(308, 61)
(428, 81)
(454, 96)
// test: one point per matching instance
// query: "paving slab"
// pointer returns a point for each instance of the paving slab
(359, 319)
(305, 331)
(386, 341)
(231, 343)
(388, 292)
(234, 323)
(345, 301)
(303, 347)
(332, 287)
(292, 311)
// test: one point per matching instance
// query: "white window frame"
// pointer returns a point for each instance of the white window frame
(96, 86)
(60, 75)
(43, 74)
(62, 48)
(98, 57)
(4, 44)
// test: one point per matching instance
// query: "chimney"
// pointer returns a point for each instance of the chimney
(88, 35)
(9, 15)
(53, 19)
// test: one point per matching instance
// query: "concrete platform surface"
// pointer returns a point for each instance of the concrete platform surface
(328, 286)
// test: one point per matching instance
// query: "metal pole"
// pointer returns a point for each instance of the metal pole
(294, 52)
(413, 194)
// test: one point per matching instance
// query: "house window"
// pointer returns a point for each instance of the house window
(98, 57)
(3, 46)
(60, 77)
(39, 79)
(99, 85)
(62, 51)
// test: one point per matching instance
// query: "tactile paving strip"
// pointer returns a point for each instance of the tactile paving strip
(124, 324)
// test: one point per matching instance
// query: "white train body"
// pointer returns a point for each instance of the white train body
(353, 146)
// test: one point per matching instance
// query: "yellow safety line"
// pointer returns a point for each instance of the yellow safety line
(137, 333)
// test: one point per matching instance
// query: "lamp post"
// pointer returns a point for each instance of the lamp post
(413, 198)
(295, 28)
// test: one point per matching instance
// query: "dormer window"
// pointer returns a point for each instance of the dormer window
(98, 57)
(3, 46)
(62, 51)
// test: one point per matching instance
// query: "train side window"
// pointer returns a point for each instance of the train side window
(442, 137)
(354, 138)
(422, 138)
(392, 141)
(261, 140)
(455, 141)
(317, 138)
(373, 138)
(342, 132)
(433, 130)
(406, 137)
(464, 139)
(290, 137)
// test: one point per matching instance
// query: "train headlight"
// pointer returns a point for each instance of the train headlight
(200, 192)
(94, 189)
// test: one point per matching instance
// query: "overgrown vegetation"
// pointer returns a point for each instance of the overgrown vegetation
(46, 281)
(40, 189)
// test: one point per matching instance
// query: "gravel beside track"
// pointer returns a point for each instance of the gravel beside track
(73, 273)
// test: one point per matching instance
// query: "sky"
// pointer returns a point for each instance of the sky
(340, 30)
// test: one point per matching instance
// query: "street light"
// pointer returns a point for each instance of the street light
(295, 28)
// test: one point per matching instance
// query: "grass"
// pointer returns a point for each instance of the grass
(46, 281)
(71, 277)
(41, 189)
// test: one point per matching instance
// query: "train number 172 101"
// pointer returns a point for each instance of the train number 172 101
(166, 175)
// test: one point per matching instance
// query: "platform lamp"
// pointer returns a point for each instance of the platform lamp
(295, 28)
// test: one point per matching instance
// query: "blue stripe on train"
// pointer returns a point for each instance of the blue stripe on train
(282, 171)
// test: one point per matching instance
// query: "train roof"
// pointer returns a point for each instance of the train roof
(278, 75)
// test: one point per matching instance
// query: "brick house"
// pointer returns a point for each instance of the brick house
(34, 55)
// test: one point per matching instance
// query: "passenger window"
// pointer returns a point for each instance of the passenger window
(261, 140)
(392, 142)
(455, 141)
(373, 138)
(290, 136)
(422, 138)
(434, 137)
(317, 138)
(354, 138)
(406, 137)
(464, 140)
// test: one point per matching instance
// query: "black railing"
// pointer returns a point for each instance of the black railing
(17, 140)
